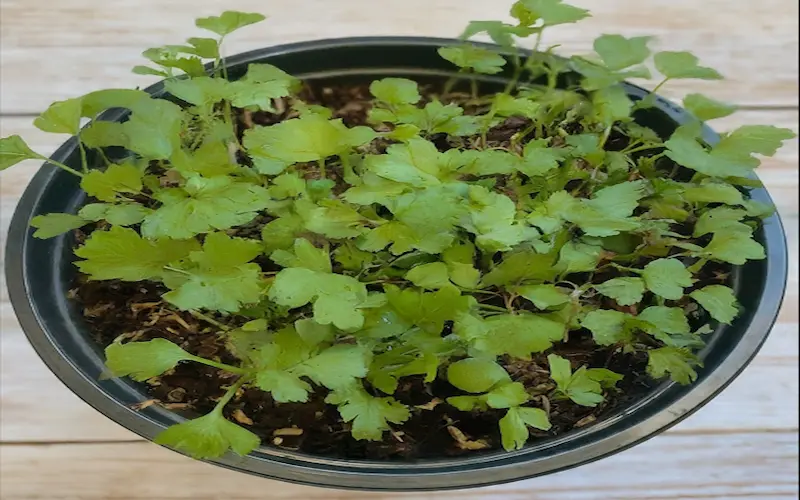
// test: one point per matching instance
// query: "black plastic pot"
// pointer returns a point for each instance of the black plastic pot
(39, 273)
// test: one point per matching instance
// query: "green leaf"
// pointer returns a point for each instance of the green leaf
(543, 296)
(427, 310)
(499, 32)
(618, 52)
(209, 436)
(305, 255)
(201, 91)
(204, 205)
(520, 266)
(683, 65)
(550, 12)
(308, 138)
(117, 178)
(667, 278)
(670, 320)
(679, 364)
(478, 59)
(98, 101)
(261, 94)
(507, 395)
(50, 225)
(492, 217)
(228, 22)
(459, 261)
(720, 220)
(705, 109)
(608, 327)
(713, 192)
(476, 375)
(581, 386)
(209, 160)
(62, 117)
(432, 276)
(611, 104)
(207, 48)
(517, 335)
(219, 277)
(734, 247)
(281, 232)
(154, 129)
(143, 360)
(332, 218)
(336, 367)
(336, 298)
(752, 139)
(13, 150)
(578, 257)
(416, 163)
(394, 91)
(370, 416)
(506, 105)
(120, 253)
(626, 291)
(719, 301)
(514, 426)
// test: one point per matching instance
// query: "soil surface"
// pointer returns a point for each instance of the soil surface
(435, 429)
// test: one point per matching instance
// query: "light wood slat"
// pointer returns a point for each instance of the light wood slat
(82, 45)
(667, 467)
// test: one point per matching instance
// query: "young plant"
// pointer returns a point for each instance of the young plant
(468, 241)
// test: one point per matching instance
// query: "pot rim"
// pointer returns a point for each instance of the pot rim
(616, 433)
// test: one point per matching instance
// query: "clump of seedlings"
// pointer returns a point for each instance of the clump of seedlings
(388, 269)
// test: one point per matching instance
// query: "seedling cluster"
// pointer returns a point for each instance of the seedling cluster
(420, 245)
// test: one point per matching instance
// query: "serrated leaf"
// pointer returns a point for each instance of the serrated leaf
(514, 426)
(719, 301)
(734, 247)
(431, 276)
(626, 291)
(13, 150)
(476, 375)
(543, 296)
(209, 436)
(477, 59)
(459, 261)
(204, 205)
(308, 138)
(336, 297)
(117, 178)
(370, 416)
(608, 327)
(721, 219)
(517, 335)
(679, 364)
(618, 52)
(120, 253)
(50, 225)
(499, 32)
(219, 277)
(507, 395)
(704, 108)
(228, 22)
(582, 386)
(209, 160)
(550, 12)
(143, 360)
(61, 117)
(492, 217)
(428, 310)
(670, 320)
(520, 266)
(305, 255)
(667, 278)
(393, 91)
(577, 257)
(683, 65)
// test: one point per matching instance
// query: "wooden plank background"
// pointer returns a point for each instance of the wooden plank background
(743, 444)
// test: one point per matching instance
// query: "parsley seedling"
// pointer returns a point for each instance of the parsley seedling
(465, 240)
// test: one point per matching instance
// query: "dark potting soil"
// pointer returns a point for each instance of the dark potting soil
(435, 429)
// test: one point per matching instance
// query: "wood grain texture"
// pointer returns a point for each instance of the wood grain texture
(669, 467)
(55, 50)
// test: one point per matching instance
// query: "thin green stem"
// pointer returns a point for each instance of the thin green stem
(641, 148)
(221, 366)
(606, 134)
(658, 87)
(209, 320)
(473, 87)
(176, 270)
(322, 172)
(232, 390)
(490, 307)
(84, 161)
(62, 166)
